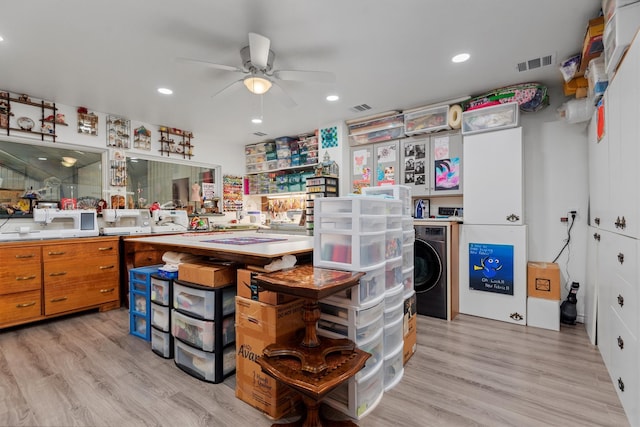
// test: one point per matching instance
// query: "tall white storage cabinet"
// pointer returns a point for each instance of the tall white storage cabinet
(615, 217)
(493, 238)
(493, 171)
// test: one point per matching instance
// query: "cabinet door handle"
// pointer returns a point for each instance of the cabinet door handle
(620, 300)
(25, 278)
(513, 218)
(60, 273)
(596, 236)
(59, 299)
(26, 304)
(620, 384)
(106, 291)
(25, 256)
(597, 220)
(621, 258)
(516, 316)
(56, 252)
(620, 343)
(108, 248)
(106, 267)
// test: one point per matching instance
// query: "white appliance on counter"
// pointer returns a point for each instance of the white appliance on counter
(53, 223)
(169, 221)
(126, 221)
(493, 238)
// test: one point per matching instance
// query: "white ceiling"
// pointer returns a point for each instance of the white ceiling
(111, 56)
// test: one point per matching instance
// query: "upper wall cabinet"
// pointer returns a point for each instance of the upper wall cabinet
(28, 117)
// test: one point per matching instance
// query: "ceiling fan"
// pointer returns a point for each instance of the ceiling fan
(259, 75)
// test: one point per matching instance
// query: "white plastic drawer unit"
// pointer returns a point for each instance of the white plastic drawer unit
(340, 329)
(360, 395)
(348, 251)
(393, 273)
(394, 296)
(393, 368)
(393, 336)
(201, 333)
(202, 364)
(353, 317)
(200, 301)
(368, 292)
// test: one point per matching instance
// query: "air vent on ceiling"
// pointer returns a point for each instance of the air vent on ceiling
(260, 134)
(534, 63)
(360, 108)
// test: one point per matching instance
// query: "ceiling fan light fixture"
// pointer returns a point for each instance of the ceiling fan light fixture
(69, 160)
(257, 85)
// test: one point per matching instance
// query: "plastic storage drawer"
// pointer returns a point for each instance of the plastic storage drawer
(407, 256)
(398, 192)
(201, 301)
(407, 222)
(393, 243)
(162, 343)
(393, 273)
(161, 290)
(347, 251)
(210, 367)
(408, 237)
(394, 296)
(160, 317)
(357, 334)
(407, 281)
(393, 368)
(392, 313)
(427, 120)
(351, 316)
(201, 333)
(368, 292)
(393, 335)
(492, 118)
(347, 222)
(358, 396)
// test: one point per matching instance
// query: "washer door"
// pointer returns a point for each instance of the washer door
(427, 265)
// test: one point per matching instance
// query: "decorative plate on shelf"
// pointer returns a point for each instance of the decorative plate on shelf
(25, 123)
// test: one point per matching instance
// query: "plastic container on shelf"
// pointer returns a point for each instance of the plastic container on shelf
(492, 118)
(426, 120)
(368, 292)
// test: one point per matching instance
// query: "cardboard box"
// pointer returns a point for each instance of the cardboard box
(593, 43)
(206, 274)
(248, 288)
(409, 329)
(572, 86)
(257, 325)
(543, 313)
(543, 280)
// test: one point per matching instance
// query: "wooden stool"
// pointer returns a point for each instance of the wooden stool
(313, 367)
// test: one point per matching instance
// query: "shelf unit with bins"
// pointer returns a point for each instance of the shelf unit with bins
(279, 181)
(140, 301)
(318, 186)
(6, 114)
(168, 145)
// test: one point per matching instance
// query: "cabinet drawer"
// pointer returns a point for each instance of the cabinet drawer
(29, 255)
(20, 278)
(20, 306)
(624, 365)
(76, 251)
(144, 258)
(73, 296)
(623, 256)
(67, 271)
(624, 300)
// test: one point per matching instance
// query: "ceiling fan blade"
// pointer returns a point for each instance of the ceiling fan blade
(226, 88)
(210, 64)
(259, 50)
(305, 76)
(282, 96)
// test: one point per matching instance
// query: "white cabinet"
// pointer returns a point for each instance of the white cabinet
(590, 294)
(615, 212)
(432, 164)
(375, 164)
(493, 272)
(493, 171)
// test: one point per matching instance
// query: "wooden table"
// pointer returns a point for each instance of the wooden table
(312, 366)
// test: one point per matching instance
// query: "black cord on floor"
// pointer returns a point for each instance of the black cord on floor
(566, 242)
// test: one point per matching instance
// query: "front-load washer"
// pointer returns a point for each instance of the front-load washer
(430, 270)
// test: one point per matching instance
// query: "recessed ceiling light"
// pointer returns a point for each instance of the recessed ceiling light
(256, 120)
(165, 91)
(461, 57)
(42, 158)
(332, 98)
(1, 39)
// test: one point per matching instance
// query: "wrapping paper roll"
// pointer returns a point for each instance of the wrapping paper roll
(455, 116)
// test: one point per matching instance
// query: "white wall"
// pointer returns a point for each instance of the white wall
(556, 167)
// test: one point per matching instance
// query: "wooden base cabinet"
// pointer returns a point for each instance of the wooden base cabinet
(55, 277)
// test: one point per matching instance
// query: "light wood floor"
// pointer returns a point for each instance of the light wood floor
(86, 370)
